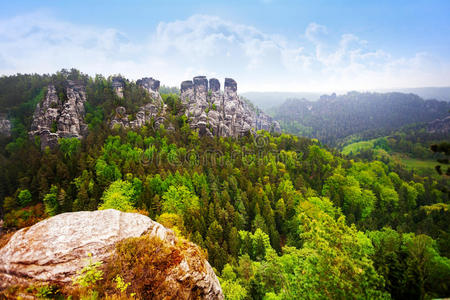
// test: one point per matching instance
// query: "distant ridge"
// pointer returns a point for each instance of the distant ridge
(267, 100)
(333, 117)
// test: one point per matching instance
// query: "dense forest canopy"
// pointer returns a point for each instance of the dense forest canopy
(280, 216)
(333, 118)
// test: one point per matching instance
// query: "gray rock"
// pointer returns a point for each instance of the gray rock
(118, 84)
(147, 112)
(230, 84)
(5, 125)
(152, 87)
(208, 109)
(53, 119)
(214, 85)
(227, 114)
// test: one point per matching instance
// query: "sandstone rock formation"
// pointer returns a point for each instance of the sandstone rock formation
(153, 110)
(118, 84)
(152, 87)
(440, 126)
(208, 109)
(56, 118)
(224, 114)
(56, 248)
(5, 125)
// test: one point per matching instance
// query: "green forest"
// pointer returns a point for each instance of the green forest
(279, 216)
(333, 119)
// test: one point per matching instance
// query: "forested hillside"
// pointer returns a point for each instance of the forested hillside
(279, 216)
(333, 118)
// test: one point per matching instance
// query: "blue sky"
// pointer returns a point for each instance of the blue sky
(266, 45)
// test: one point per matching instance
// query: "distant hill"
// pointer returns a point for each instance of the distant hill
(268, 100)
(438, 93)
(333, 118)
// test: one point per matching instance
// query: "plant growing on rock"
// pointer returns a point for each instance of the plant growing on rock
(90, 274)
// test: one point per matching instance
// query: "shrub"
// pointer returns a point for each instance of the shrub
(24, 197)
(90, 274)
(120, 195)
(146, 263)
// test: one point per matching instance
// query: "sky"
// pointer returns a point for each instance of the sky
(265, 45)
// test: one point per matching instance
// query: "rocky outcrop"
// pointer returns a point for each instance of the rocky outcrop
(209, 110)
(56, 118)
(5, 125)
(56, 248)
(440, 126)
(118, 84)
(152, 87)
(153, 111)
(145, 115)
(212, 112)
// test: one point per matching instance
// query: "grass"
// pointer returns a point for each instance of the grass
(358, 146)
(422, 166)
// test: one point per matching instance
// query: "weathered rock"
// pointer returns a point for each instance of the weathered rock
(226, 113)
(53, 119)
(152, 87)
(187, 91)
(214, 85)
(209, 110)
(5, 125)
(56, 248)
(154, 110)
(142, 117)
(118, 84)
(71, 120)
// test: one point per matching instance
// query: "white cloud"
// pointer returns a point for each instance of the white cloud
(178, 50)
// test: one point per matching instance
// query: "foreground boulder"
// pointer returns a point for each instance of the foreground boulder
(54, 250)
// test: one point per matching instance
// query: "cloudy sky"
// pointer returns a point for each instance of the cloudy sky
(266, 45)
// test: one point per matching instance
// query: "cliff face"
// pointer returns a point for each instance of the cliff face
(118, 84)
(5, 125)
(208, 109)
(224, 114)
(55, 118)
(152, 87)
(145, 114)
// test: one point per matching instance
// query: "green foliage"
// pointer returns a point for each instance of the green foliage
(121, 285)
(46, 291)
(90, 274)
(69, 146)
(256, 245)
(24, 198)
(54, 127)
(367, 115)
(410, 264)
(107, 173)
(279, 216)
(178, 200)
(233, 290)
(51, 201)
(120, 195)
(94, 116)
